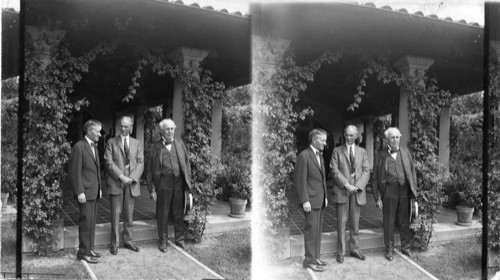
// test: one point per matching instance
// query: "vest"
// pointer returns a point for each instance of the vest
(169, 161)
(395, 170)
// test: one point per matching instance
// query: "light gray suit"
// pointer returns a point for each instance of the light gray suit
(344, 202)
(122, 196)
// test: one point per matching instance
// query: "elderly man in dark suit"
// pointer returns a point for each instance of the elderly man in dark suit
(168, 173)
(124, 158)
(310, 182)
(351, 172)
(394, 184)
(85, 178)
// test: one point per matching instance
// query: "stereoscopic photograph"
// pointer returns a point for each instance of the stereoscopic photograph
(217, 139)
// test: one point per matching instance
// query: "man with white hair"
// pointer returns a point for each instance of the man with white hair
(394, 184)
(351, 172)
(168, 174)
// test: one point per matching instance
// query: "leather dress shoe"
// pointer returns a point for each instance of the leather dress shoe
(131, 246)
(358, 255)
(406, 252)
(313, 267)
(180, 244)
(163, 247)
(320, 262)
(95, 254)
(88, 259)
(340, 258)
(113, 250)
(389, 254)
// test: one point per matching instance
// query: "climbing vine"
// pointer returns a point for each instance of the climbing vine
(200, 93)
(48, 85)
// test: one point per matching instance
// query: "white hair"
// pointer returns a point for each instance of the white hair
(166, 122)
(391, 131)
(352, 127)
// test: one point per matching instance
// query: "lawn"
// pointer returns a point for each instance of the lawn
(457, 259)
(229, 254)
(58, 265)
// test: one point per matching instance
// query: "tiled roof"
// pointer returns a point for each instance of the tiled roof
(208, 8)
(418, 13)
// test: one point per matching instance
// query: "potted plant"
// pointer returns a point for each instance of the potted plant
(240, 186)
(8, 178)
(466, 194)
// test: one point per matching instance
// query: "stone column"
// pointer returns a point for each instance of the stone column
(412, 66)
(444, 137)
(369, 138)
(182, 57)
(139, 123)
(216, 141)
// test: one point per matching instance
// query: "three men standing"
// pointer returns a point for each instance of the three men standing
(394, 184)
(351, 173)
(85, 179)
(310, 182)
(124, 158)
(168, 174)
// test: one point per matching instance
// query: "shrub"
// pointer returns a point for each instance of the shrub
(465, 188)
(10, 102)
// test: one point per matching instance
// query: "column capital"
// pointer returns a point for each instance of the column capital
(413, 65)
(184, 56)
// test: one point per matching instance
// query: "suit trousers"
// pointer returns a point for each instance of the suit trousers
(169, 199)
(352, 209)
(396, 205)
(312, 236)
(86, 227)
(123, 201)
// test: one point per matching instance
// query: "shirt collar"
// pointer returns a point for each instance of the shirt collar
(89, 141)
(348, 146)
(122, 137)
(314, 149)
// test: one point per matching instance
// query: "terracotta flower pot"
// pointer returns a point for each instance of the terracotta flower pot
(237, 206)
(5, 196)
(464, 215)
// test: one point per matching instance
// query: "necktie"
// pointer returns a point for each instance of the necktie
(393, 151)
(351, 158)
(125, 146)
(94, 148)
(318, 156)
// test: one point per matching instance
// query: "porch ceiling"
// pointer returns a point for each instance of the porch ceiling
(457, 47)
(147, 25)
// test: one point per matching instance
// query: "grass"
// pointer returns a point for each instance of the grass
(228, 254)
(457, 259)
(58, 265)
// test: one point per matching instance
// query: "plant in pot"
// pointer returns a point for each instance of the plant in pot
(466, 194)
(240, 190)
(9, 178)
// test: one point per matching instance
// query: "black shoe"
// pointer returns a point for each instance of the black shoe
(94, 254)
(131, 246)
(313, 267)
(406, 252)
(88, 259)
(163, 247)
(320, 262)
(389, 254)
(358, 255)
(180, 244)
(340, 258)
(113, 250)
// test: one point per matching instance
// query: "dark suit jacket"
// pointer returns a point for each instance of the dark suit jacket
(310, 179)
(379, 181)
(115, 164)
(341, 172)
(153, 165)
(84, 173)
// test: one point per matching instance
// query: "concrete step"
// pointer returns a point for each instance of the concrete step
(374, 238)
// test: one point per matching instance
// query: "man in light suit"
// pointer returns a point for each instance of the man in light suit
(168, 173)
(85, 178)
(124, 158)
(394, 184)
(310, 182)
(351, 172)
